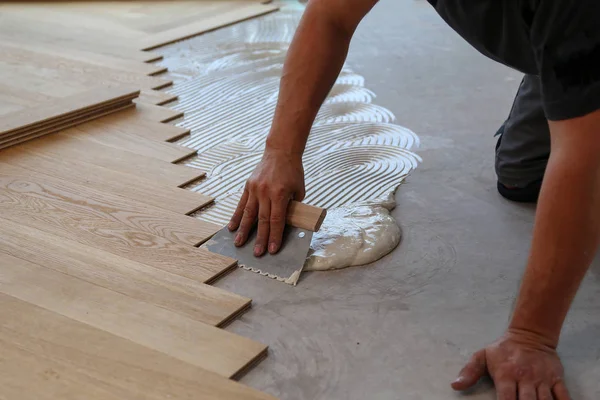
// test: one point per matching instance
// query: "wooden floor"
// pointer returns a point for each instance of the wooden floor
(104, 292)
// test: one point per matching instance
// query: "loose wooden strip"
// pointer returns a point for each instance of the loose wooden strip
(134, 122)
(32, 202)
(66, 125)
(155, 97)
(204, 25)
(199, 344)
(102, 134)
(63, 123)
(142, 190)
(46, 356)
(66, 119)
(172, 292)
(95, 97)
(138, 166)
(157, 113)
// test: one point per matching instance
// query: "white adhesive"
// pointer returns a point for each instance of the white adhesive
(356, 157)
(351, 236)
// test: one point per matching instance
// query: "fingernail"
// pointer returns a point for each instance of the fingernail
(230, 226)
(460, 379)
(258, 250)
(272, 248)
(238, 239)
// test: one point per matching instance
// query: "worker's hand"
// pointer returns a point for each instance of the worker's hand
(521, 366)
(277, 179)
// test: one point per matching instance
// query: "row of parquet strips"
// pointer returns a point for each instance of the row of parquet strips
(96, 243)
(93, 231)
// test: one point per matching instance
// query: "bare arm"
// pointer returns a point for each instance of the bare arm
(565, 238)
(313, 63)
(567, 229)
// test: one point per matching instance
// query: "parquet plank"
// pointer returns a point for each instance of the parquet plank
(90, 57)
(150, 168)
(117, 210)
(134, 122)
(201, 302)
(155, 97)
(48, 205)
(55, 127)
(47, 356)
(18, 63)
(202, 345)
(209, 23)
(141, 190)
(157, 113)
(102, 134)
(50, 111)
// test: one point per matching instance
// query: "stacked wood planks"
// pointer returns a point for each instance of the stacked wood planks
(104, 292)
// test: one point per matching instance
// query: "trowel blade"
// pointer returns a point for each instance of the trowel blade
(286, 265)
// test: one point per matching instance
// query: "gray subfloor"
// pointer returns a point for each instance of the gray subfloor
(401, 328)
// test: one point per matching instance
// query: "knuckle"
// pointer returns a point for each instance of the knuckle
(263, 219)
(276, 218)
(279, 192)
(249, 212)
(262, 187)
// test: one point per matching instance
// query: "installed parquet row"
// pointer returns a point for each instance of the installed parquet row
(104, 292)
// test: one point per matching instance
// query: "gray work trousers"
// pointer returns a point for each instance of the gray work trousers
(524, 146)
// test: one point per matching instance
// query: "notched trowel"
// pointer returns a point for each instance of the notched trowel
(287, 264)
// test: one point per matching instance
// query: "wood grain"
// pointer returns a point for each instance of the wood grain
(46, 205)
(143, 191)
(17, 63)
(199, 344)
(134, 122)
(155, 97)
(103, 134)
(46, 356)
(212, 22)
(93, 98)
(157, 113)
(55, 127)
(305, 216)
(68, 147)
(111, 211)
(201, 302)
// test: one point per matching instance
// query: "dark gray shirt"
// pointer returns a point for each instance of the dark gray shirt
(559, 40)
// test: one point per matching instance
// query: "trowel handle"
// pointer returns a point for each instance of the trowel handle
(304, 216)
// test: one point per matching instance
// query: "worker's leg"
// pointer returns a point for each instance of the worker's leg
(524, 145)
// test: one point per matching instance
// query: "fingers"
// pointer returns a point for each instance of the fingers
(527, 391)
(506, 390)
(560, 391)
(543, 392)
(262, 236)
(472, 372)
(250, 212)
(278, 210)
(234, 223)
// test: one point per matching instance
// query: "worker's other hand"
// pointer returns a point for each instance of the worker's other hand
(521, 366)
(276, 180)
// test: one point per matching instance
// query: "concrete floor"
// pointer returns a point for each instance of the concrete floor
(401, 328)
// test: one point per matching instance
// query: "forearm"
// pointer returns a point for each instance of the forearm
(313, 63)
(565, 239)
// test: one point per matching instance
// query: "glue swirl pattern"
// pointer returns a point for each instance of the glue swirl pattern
(227, 82)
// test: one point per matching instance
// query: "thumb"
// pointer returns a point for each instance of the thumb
(472, 372)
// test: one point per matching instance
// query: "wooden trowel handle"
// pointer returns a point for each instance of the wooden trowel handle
(304, 216)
